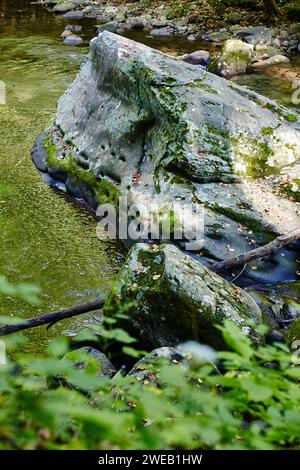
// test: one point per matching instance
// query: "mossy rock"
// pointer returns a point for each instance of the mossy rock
(234, 58)
(169, 298)
(129, 126)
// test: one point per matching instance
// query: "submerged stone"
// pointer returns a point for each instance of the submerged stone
(197, 58)
(274, 60)
(72, 40)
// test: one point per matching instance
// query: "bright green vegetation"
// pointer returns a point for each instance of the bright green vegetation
(251, 405)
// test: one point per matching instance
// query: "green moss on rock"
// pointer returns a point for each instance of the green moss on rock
(169, 297)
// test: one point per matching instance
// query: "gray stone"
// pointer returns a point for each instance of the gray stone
(161, 32)
(159, 23)
(73, 40)
(39, 155)
(147, 368)
(102, 19)
(137, 24)
(64, 6)
(111, 10)
(73, 28)
(274, 60)
(255, 34)
(74, 15)
(78, 357)
(161, 131)
(172, 298)
(197, 58)
(111, 26)
(217, 37)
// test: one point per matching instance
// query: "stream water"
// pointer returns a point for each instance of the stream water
(45, 238)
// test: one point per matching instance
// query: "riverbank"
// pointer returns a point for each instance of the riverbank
(192, 20)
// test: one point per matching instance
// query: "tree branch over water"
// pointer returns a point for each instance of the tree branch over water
(96, 304)
(258, 253)
(52, 318)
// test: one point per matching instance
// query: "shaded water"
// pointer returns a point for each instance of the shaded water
(46, 239)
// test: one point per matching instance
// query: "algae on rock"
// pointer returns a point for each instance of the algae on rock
(169, 297)
(139, 123)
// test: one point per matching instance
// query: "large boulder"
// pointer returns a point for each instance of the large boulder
(139, 123)
(169, 297)
(234, 58)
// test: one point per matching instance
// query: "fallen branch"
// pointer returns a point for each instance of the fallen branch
(52, 318)
(258, 253)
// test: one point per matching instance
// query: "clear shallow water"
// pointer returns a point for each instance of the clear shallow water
(45, 238)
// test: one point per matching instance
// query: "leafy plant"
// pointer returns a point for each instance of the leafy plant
(252, 403)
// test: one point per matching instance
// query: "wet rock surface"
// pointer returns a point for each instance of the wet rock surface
(280, 304)
(147, 368)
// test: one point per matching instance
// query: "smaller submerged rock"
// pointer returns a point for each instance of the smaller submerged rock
(167, 31)
(274, 60)
(73, 40)
(201, 57)
(73, 28)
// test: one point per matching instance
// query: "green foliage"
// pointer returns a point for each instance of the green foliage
(253, 404)
(22, 290)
